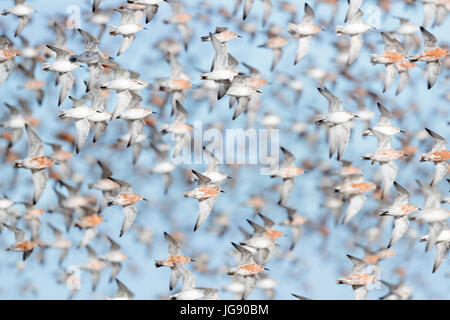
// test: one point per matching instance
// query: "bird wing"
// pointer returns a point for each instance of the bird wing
(204, 209)
(356, 44)
(35, 144)
(130, 213)
(356, 203)
(400, 227)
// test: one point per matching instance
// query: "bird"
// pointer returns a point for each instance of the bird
(359, 278)
(442, 245)
(224, 65)
(64, 67)
(105, 184)
(288, 171)
(60, 242)
(439, 155)
(7, 55)
(124, 81)
(179, 129)
(89, 221)
(206, 193)
(385, 155)
(212, 171)
(354, 27)
(80, 112)
(175, 258)
(16, 122)
(94, 265)
(115, 257)
(337, 121)
(21, 243)
(399, 210)
(354, 188)
(393, 53)
(248, 4)
(276, 42)
(129, 26)
(242, 90)
(295, 222)
(247, 269)
(189, 290)
(181, 19)
(135, 114)
(37, 162)
(21, 11)
(431, 55)
(303, 32)
(126, 198)
(384, 123)
(152, 7)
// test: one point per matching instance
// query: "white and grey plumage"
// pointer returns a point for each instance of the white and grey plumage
(248, 5)
(163, 165)
(287, 171)
(212, 171)
(442, 243)
(21, 11)
(398, 211)
(353, 7)
(123, 293)
(241, 90)
(384, 123)
(189, 291)
(152, 7)
(385, 155)
(115, 257)
(179, 128)
(60, 242)
(224, 66)
(398, 291)
(354, 27)
(124, 81)
(135, 114)
(337, 121)
(440, 167)
(94, 265)
(93, 57)
(129, 25)
(432, 213)
(294, 221)
(15, 122)
(80, 113)
(182, 26)
(303, 32)
(63, 66)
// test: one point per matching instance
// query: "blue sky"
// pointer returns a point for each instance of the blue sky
(315, 273)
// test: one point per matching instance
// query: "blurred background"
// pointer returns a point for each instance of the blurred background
(319, 258)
